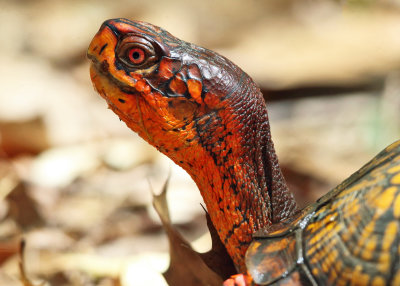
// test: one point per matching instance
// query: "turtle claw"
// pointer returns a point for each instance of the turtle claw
(239, 280)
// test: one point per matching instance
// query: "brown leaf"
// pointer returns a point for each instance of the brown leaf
(23, 137)
(186, 265)
(22, 208)
(7, 249)
(218, 258)
(21, 264)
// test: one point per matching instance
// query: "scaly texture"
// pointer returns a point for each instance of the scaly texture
(348, 237)
(208, 116)
(204, 113)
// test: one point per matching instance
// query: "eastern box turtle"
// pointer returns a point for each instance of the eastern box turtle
(209, 117)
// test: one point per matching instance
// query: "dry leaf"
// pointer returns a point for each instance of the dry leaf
(21, 264)
(186, 265)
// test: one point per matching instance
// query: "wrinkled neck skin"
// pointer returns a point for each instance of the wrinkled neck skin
(236, 169)
(229, 153)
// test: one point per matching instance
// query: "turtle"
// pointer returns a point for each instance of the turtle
(208, 116)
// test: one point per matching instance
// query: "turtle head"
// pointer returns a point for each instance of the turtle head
(160, 86)
(204, 113)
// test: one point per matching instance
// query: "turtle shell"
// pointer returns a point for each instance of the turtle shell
(350, 236)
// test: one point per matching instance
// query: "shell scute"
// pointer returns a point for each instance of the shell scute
(351, 236)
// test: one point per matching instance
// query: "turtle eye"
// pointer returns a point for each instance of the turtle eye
(136, 52)
(137, 56)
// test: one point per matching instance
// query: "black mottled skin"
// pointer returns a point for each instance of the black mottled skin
(260, 192)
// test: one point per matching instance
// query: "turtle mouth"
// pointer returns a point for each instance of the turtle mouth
(101, 80)
(102, 69)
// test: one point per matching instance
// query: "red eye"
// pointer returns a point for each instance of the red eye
(137, 56)
(137, 53)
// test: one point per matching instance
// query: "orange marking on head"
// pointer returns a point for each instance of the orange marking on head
(140, 85)
(123, 27)
(105, 36)
(194, 72)
(211, 99)
(195, 88)
(147, 89)
(167, 68)
(178, 86)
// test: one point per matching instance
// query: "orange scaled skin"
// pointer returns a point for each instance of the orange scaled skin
(179, 104)
(207, 115)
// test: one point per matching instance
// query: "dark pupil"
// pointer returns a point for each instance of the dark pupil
(136, 55)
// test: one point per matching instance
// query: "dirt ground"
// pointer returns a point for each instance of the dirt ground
(77, 184)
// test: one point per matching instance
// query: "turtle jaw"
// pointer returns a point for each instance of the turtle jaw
(126, 105)
(114, 85)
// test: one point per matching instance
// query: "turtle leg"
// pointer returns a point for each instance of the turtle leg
(239, 280)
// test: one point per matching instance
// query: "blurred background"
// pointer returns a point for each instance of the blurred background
(76, 183)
